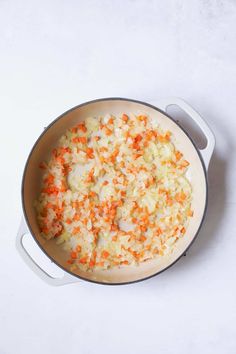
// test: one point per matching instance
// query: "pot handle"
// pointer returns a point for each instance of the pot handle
(208, 151)
(66, 279)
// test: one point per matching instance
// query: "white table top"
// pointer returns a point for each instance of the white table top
(57, 54)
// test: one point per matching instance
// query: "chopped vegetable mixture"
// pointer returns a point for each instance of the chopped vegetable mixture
(114, 192)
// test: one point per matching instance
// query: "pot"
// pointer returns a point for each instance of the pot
(197, 173)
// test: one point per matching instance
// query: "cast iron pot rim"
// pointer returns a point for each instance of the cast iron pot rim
(49, 126)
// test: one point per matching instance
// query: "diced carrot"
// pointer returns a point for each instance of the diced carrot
(76, 217)
(136, 254)
(105, 254)
(124, 262)
(75, 140)
(142, 238)
(169, 201)
(82, 139)
(178, 155)
(82, 127)
(45, 230)
(49, 179)
(159, 231)
(93, 259)
(190, 212)
(91, 263)
(125, 183)
(74, 204)
(184, 163)
(74, 130)
(114, 227)
(116, 263)
(76, 230)
(83, 260)
(63, 186)
(103, 149)
(105, 183)
(89, 153)
(143, 228)
(49, 205)
(78, 248)
(111, 121)
(60, 160)
(136, 156)
(125, 118)
(85, 221)
(97, 138)
(167, 135)
(73, 255)
(114, 238)
(66, 169)
(108, 131)
(92, 194)
(51, 190)
(142, 118)
(64, 150)
(178, 217)
(68, 221)
(180, 197)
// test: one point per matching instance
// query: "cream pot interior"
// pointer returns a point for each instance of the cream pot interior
(48, 140)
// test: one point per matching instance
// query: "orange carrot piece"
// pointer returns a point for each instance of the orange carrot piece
(76, 230)
(89, 153)
(125, 118)
(91, 263)
(105, 254)
(73, 255)
(124, 262)
(142, 238)
(190, 212)
(184, 163)
(83, 260)
(82, 140)
(178, 155)
(143, 228)
(82, 127)
(76, 217)
(108, 131)
(78, 248)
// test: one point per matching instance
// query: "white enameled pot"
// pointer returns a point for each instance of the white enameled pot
(199, 161)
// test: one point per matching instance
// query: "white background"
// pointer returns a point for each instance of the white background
(57, 54)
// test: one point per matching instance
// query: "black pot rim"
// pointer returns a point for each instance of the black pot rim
(32, 150)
